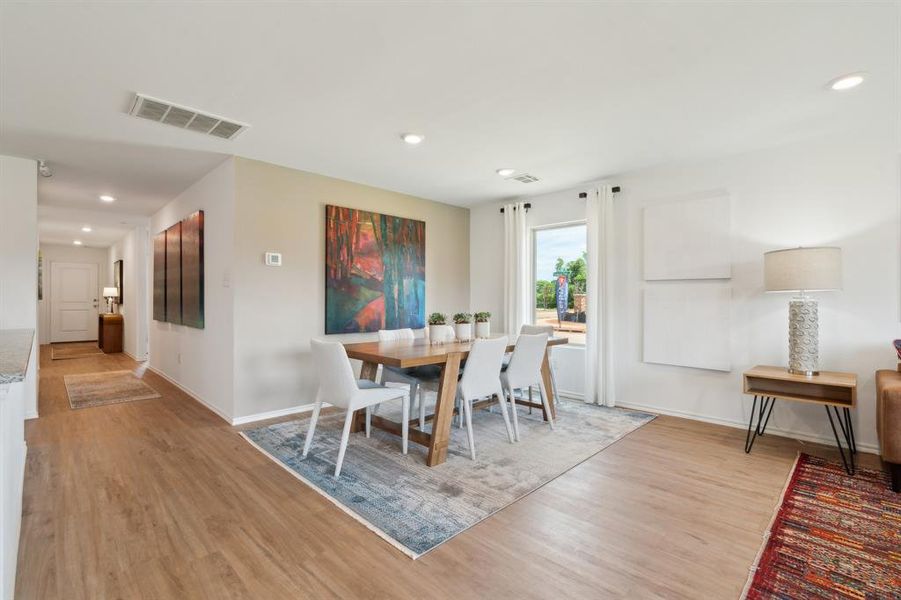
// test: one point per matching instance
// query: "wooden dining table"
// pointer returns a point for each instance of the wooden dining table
(419, 352)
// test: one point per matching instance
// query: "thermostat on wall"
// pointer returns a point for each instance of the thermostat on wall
(273, 259)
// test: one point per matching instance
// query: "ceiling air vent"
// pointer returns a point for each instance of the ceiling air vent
(524, 178)
(183, 117)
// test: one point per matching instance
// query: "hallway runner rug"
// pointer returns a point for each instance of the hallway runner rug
(415, 507)
(67, 350)
(834, 536)
(108, 387)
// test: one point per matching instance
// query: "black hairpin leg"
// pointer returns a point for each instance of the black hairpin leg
(847, 433)
(763, 418)
(847, 429)
(851, 431)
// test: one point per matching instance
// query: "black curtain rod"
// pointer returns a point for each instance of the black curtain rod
(527, 206)
(615, 189)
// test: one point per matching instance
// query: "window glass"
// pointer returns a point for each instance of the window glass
(560, 280)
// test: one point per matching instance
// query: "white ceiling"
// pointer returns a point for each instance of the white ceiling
(569, 92)
(60, 225)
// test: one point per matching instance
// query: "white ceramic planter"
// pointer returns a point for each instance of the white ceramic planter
(483, 330)
(441, 334)
(464, 331)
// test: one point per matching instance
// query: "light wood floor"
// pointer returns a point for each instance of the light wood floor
(161, 499)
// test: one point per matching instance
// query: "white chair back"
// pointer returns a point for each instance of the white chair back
(525, 364)
(535, 329)
(337, 384)
(393, 335)
(481, 377)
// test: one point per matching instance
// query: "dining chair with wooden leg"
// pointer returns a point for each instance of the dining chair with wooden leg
(339, 387)
(524, 370)
(481, 379)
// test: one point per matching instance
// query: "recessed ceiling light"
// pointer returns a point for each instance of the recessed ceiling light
(412, 138)
(107, 198)
(77, 242)
(846, 82)
(506, 172)
(86, 229)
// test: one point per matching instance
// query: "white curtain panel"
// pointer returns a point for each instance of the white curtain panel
(517, 275)
(599, 318)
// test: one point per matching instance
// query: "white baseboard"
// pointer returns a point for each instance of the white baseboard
(193, 395)
(291, 410)
(272, 414)
(135, 358)
(804, 437)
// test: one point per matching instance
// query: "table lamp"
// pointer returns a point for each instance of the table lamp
(109, 293)
(803, 270)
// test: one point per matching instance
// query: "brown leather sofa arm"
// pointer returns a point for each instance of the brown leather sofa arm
(888, 414)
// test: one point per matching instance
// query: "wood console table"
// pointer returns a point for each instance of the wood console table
(830, 389)
(109, 333)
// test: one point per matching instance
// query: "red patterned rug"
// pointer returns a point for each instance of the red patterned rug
(835, 536)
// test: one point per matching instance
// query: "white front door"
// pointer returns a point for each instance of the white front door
(73, 302)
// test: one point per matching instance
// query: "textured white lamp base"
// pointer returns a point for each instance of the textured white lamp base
(803, 337)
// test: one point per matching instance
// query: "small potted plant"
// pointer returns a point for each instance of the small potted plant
(463, 326)
(439, 331)
(483, 324)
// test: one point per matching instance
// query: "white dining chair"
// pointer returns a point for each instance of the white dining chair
(420, 379)
(339, 387)
(524, 370)
(549, 330)
(481, 378)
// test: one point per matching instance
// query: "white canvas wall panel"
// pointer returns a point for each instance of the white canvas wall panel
(688, 325)
(688, 240)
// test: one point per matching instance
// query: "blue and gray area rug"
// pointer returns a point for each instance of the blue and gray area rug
(416, 508)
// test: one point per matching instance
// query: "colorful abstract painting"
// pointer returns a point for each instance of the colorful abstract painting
(374, 271)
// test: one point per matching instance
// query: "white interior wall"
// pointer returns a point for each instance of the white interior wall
(279, 309)
(133, 250)
(18, 310)
(18, 243)
(486, 267)
(840, 190)
(201, 360)
(74, 254)
(259, 319)
(18, 260)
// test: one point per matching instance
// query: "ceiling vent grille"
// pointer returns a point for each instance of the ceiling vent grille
(524, 178)
(183, 117)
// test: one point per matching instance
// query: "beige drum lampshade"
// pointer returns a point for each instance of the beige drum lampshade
(110, 292)
(803, 269)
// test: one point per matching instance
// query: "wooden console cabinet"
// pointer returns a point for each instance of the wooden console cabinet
(109, 333)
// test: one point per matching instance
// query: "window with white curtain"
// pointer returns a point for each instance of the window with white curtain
(559, 259)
